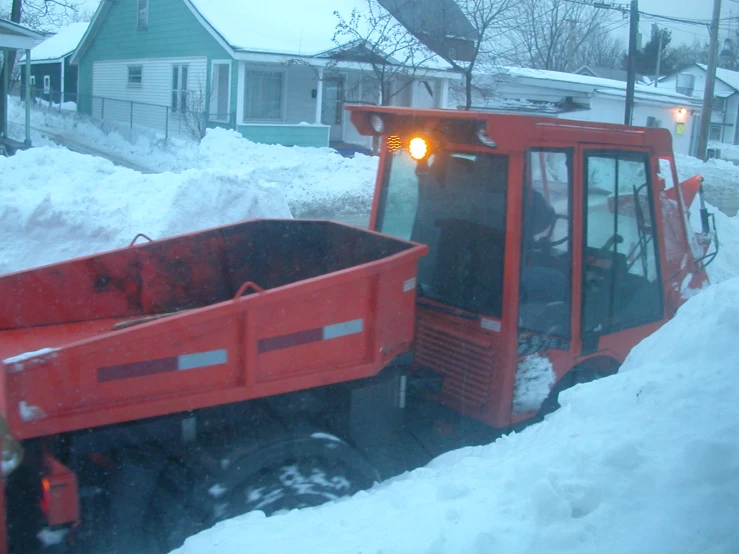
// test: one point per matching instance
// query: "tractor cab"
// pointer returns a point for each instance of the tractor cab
(554, 247)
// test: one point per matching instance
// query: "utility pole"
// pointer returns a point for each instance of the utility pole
(710, 79)
(571, 44)
(631, 72)
(659, 54)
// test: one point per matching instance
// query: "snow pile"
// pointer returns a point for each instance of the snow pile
(534, 380)
(315, 181)
(644, 461)
(56, 204)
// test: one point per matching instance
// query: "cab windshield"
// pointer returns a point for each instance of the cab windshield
(455, 202)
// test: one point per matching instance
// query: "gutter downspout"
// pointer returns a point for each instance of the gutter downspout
(61, 97)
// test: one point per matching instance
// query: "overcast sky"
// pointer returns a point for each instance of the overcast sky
(688, 9)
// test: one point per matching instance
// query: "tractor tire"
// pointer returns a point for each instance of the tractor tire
(576, 376)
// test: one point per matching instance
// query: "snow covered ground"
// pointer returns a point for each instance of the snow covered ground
(645, 461)
(311, 179)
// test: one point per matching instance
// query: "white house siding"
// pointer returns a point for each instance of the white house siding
(729, 118)
(611, 110)
(146, 106)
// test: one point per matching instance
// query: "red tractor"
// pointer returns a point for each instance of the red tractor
(152, 391)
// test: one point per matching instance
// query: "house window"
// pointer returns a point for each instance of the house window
(653, 122)
(143, 15)
(219, 101)
(715, 133)
(135, 76)
(263, 95)
(32, 81)
(179, 88)
(47, 84)
(718, 105)
(685, 84)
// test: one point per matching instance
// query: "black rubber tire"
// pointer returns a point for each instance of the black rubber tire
(299, 483)
(575, 376)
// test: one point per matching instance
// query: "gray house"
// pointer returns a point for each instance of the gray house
(271, 71)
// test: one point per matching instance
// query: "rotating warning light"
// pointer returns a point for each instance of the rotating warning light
(418, 148)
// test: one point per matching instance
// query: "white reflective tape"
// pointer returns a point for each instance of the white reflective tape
(490, 324)
(201, 359)
(409, 285)
(343, 329)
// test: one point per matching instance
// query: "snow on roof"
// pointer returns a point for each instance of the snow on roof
(608, 86)
(729, 77)
(281, 26)
(284, 26)
(61, 44)
(13, 35)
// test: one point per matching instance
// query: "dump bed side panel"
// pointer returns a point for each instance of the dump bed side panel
(342, 325)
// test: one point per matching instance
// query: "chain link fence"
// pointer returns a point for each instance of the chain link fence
(126, 117)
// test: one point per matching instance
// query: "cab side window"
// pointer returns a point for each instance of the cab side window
(544, 292)
(621, 282)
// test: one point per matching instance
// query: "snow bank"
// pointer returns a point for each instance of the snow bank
(315, 181)
(644, 461)
(56, 204)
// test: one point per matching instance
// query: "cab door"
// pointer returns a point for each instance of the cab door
(621, 288)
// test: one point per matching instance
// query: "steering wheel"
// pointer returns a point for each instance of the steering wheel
(545, 243)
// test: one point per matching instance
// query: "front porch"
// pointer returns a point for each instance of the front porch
(15, 38)
(302, 103)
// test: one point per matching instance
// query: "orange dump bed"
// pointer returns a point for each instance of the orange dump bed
(242, 311)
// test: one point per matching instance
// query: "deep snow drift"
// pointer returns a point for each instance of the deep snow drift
(56, 204)
(310, 178)
(645, 461)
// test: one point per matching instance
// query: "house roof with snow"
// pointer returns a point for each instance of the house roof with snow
(280, 27)
(729, 77)
(17, 37)
(610, 87)
(61, 45)
(606, 73)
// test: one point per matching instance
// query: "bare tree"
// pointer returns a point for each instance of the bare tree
(600, 49)
(549, 33)
(44, 15)
(376, 38)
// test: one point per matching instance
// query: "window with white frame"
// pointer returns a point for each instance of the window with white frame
(263, 95)
(143, 15)
(715, 133)
(32, 80)
(47, 84)
(135, 76)
(219, 91)
(179, 88)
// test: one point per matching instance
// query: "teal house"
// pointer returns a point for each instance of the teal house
(270, 70)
